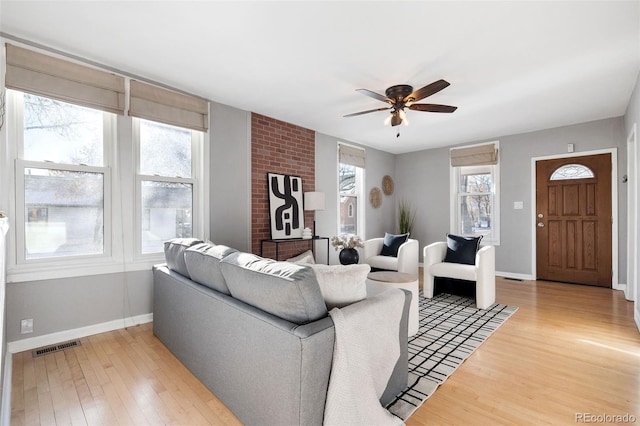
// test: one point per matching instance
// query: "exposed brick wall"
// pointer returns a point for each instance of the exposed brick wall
(278, 147)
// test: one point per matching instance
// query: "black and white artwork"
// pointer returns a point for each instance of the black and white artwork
(285, 206)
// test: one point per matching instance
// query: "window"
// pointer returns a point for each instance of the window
(572, 171)
(350, 184)
(89, 198)
(475, 202)
(348, 199)
(61, 179)
(165, 183)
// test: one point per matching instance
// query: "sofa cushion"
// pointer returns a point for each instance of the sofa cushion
(462, 249)
(392, 243)
(203, 264)
(454, 270)
(342, 285)
(304, 258)
(383, 262)
(174, 253)
(287, 290)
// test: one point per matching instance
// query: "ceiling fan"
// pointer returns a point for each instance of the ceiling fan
(401, 96)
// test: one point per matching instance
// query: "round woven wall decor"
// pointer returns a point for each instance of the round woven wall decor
(375, 197)
(387, 185)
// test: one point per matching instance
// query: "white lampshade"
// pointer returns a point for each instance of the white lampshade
(314, 201)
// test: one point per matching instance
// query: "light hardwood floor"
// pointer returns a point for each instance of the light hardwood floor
(568, 350)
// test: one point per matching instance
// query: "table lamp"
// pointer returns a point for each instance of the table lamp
(314, 201)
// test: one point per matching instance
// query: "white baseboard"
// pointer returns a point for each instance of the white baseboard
(77, 333)
(619, 286)
(515, 276)
(636, 316)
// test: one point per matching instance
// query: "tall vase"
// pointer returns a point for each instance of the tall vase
(349, 256)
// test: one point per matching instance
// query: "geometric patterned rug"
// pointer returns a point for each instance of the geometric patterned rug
(451, 329)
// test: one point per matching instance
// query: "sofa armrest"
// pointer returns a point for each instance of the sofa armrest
(408, 257)
(485, 277)
(373, 247)
(434, 253)
(398, 380)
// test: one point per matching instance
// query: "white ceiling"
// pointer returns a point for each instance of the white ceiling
(514, 66)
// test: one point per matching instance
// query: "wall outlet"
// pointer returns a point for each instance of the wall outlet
(26, 326)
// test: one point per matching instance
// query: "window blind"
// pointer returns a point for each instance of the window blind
(43, 75)
(351, 155)
(479, 155)
(176, 109)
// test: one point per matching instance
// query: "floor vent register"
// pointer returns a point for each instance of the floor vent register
(55, 348)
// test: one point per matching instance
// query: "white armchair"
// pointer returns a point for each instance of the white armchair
(407, 260)
(483, 272)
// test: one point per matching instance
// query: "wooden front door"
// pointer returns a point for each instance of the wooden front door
(573, 220)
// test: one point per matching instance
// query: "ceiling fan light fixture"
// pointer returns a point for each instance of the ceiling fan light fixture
(403, 117)
(403, 95)
(395, 118)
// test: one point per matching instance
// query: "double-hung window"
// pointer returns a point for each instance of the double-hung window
(62, 179)
(351, 165)
(166, 183)
(475, 200)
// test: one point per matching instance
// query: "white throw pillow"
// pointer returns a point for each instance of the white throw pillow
(342, 285)
(303, 258)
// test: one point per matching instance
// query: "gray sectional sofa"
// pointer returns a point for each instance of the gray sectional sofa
(256, 332)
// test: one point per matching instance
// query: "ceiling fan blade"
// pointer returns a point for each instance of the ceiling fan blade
(433, 108)
(427, 90)
(374, 95)
(366, 112)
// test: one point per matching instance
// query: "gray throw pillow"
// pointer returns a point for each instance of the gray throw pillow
(174, 253)
(203, 264)
(287, 290)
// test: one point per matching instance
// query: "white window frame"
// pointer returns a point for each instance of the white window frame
(454, 180)
(120, 165)
(359, 187)
(22, 269)
(196, 179)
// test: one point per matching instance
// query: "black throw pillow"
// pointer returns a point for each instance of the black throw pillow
(462, 249)
(392, 243)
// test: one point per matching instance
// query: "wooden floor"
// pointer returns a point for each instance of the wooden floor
(568, 351)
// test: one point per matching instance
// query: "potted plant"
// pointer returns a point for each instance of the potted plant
(407, 217)
(347, 245)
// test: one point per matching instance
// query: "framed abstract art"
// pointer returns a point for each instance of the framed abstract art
(286, 212)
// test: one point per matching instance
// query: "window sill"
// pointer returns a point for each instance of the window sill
(24, 273)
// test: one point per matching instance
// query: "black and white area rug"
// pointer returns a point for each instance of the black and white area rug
(451, 329)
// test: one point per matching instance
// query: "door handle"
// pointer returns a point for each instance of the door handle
(540, 225)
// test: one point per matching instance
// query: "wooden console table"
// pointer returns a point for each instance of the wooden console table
(296, 240)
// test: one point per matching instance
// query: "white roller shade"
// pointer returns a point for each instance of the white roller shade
(158, 104)
(351, 155)
(474, 156)
(43, 75)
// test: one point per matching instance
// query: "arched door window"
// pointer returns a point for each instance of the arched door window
(572, 171)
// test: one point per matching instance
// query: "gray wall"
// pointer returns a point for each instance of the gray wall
(69, 303)
(423, 177)
(379, 163)
(230, 177)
